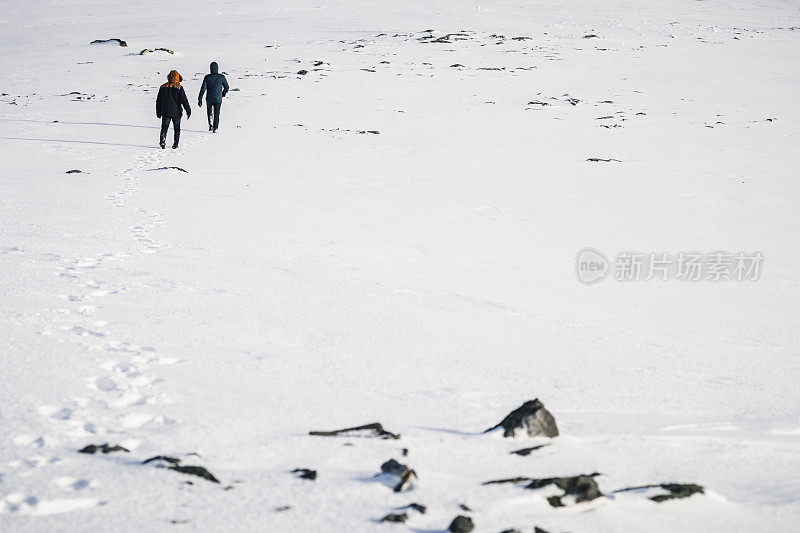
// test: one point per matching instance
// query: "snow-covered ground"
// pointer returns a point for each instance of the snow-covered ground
(306, 274)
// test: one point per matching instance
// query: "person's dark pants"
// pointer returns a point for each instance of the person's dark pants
(176, 127)
(213, 115)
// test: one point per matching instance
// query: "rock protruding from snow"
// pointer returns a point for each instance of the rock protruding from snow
(415, 506)
(674, 491)
(305, 473)
(173, 463)
(397, 476)
(530, 419)
(105, 448)
(461, 524)
(395, 517)
(577, 489)
(368, 430)
(112, 40)
(151, 50)
(528, 451)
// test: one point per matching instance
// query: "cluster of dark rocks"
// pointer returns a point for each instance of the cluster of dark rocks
(159, 461)
(531, 419)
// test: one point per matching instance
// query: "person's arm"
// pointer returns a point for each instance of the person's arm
(185, 103)
(159, 100)
(224, 86)
(202, 90)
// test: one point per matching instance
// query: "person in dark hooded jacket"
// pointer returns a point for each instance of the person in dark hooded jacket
(171, 97)
(216, 87)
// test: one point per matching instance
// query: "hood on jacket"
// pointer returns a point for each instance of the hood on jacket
(174, 79)
(214, 68)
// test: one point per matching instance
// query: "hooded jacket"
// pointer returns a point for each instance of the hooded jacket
(171, 97)
(216, 85)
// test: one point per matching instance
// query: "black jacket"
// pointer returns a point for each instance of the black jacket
(216, 84)
(169, 101)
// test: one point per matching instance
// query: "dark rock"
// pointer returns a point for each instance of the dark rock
(674, 490)
(457, 65)
(74, 171)
(397, 476)
(537, 102)
(601, 160)
(368, 70)
(302, 72)
(400, 518)
(527, 451)
(282, 508)
(416, 507)
(369, 430)
(461, 524)
(511, 531)
(151, 50)
(539, 530)
(520, 38)
(305, 473)
(591, 36)
(404, 452)
(169, 168)
(531, 418)
(162, 459)
(105, 448)
(195, 471)
(119, 41)
(678, 490)
(583, 487)
(464, 507)
(573, 101)
(373, 132)
(173, 463)
(507, 480)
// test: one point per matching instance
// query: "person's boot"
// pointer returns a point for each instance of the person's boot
(174, 146)
(162, 144)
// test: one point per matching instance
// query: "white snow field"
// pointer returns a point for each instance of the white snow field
(305, 274)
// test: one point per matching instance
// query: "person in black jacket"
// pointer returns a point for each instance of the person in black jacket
(217, 87)
(171, 97)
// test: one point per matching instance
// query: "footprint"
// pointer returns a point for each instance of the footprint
(83, 332)
(69, 483)
(29, 440)
(87, 310)
(52, 411)
(130, 399)
(31, 505)
(87, 263)
(104, 384)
